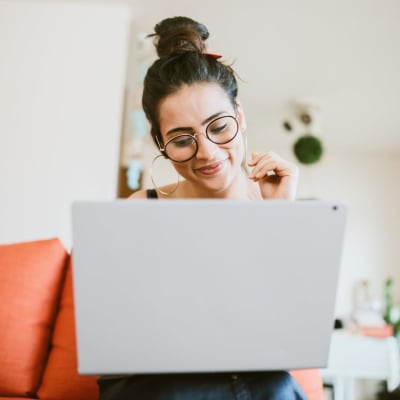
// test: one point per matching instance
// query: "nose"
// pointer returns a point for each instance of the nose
(206, 148)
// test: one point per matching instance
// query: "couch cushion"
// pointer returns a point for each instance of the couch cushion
(17, 398)
(311, 382)
(61, 380)
(31, 275)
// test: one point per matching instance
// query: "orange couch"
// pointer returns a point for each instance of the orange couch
(37, 331)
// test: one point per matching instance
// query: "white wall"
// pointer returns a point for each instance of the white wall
(369, 185)
(62, 77)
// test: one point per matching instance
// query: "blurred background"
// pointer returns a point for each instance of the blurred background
(71, 125)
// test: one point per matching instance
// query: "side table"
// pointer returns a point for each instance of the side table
(354, 357)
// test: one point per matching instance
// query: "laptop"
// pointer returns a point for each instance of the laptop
(179, 286)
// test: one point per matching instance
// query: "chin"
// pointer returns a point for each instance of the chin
(217, 185)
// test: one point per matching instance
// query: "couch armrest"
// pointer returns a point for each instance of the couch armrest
(31, 275)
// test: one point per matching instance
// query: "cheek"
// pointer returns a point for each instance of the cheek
(237, 146)
(182, 168)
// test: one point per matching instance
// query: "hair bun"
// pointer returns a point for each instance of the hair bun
(178, 35)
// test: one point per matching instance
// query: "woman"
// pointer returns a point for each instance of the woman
(197, 122)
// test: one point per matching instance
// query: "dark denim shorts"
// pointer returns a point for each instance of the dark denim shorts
(219, 386)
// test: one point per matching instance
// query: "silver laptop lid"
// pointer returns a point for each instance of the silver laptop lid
(205, 285)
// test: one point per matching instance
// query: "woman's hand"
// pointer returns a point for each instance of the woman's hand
(277, 177)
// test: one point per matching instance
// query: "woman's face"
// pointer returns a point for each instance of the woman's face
(189, 110)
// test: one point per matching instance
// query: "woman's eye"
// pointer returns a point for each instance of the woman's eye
(217, 129)
(183, 142)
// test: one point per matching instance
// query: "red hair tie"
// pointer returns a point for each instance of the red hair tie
(212, 55)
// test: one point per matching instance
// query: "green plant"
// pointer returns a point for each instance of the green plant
(388, 300)
(308, 149)
(391, 314)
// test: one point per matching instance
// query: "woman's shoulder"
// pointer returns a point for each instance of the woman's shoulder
(145, 194)
(139, 194)
(171, 191)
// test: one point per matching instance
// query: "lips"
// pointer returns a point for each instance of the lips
(211, 169)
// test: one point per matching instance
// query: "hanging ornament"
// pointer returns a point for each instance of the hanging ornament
(306, 125)
(308, 149)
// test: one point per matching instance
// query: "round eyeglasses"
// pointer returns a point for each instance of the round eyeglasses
(181, 148)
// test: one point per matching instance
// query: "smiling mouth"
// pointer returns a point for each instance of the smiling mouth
(211, 168)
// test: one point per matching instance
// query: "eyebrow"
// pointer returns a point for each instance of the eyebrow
(190, 129)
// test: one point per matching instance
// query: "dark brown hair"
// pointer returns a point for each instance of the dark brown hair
(180, 45)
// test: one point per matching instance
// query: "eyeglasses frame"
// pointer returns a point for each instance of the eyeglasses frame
(193, 136)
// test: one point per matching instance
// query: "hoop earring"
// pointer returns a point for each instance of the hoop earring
(153, 181)
(244, 162)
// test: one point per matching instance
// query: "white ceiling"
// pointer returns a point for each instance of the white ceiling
(343, 55)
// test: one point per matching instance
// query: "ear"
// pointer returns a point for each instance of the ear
(241, 117)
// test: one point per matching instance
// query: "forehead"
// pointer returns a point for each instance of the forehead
(190, 105)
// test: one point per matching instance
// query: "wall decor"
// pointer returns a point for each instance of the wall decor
(305, 124)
